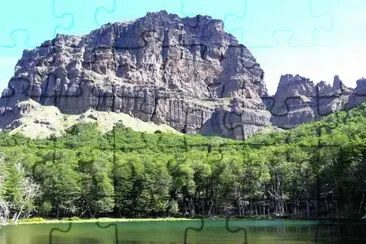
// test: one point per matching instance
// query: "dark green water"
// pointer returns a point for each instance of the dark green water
(213, 232)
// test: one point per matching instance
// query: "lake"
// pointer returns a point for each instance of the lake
(191, 231)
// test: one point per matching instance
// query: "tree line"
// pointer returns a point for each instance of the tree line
(315, 170)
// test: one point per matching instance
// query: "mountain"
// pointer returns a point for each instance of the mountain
(316, 170)
(187, 73)
(298, 100)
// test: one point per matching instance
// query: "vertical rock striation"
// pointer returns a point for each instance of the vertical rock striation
(298, 100)
(185, 72)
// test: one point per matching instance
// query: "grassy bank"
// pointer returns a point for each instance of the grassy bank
(100, 220)
(170, 219)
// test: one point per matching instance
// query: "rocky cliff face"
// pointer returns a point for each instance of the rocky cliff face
(184, 72)
(298, 100)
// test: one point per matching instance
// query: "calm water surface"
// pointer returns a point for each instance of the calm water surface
(213, 232)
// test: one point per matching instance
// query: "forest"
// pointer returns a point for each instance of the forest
(317, 170)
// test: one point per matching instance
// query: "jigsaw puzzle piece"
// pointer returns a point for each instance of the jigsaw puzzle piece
(321, 103)
(48, 88)
(106, 226)
(84, 13)
(91, 233)
(122, 44)
(196, 229)
(236, 230)
(19, 17)
(18, 41)
(54, 91)
(157, 41)
(50, 164)
(215, 231)
(234, 123)
(286, 112)
(301, 32)
(51, 235)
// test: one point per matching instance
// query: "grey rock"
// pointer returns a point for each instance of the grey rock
(359, 94)
(292, 104)
(298, 100)
(184, 72)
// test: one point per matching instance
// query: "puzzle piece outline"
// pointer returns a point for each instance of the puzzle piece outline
(26, 33)
(245, 231)
(287, 139)
(97, 10)
(100, 9)
(163, 46)
(109, 225)
(275, 33)
(50, 235)
(187, 147)
(320, 145)
(27, 92)
(105, 95)
(228, 228)
(194, 229)
(317, 97)
(99, 224)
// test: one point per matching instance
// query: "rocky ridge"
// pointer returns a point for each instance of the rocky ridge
(37, 121)
(184, 72)
(298, 100)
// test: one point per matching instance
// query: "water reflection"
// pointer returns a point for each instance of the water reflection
(81, 240)
(214, 232)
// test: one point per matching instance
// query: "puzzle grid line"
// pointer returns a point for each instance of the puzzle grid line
(314, 103)
(108, 10)
(243, 16)
(64, 17)
(27, 92)
(201, 218)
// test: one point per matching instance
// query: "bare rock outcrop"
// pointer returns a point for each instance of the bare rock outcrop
(298, 100)
(184, 72)
(359, 94)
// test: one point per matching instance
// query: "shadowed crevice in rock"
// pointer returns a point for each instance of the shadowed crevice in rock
(160, 68)
(187, 73)
(298, 100)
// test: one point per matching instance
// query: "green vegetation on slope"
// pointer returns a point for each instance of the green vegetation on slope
(315, 170)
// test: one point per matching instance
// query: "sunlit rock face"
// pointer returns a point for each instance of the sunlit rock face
(359, 94)
(298, 100)
(184, 72)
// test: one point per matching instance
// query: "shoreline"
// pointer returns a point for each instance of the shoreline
(100, 220)
(40, 221)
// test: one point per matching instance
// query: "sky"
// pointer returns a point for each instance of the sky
(316, 39)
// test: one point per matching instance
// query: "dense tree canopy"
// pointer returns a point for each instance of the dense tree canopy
(315, 170)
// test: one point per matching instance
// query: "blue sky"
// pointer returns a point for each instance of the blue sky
(313, 38)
